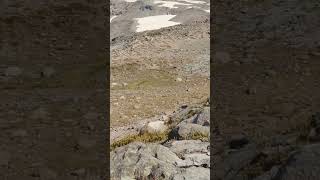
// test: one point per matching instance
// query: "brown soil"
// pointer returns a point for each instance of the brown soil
(150, 75)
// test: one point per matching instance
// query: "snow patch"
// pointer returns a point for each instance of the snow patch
(194, 2)
(130, 1)
(170, 4)
(155, 22)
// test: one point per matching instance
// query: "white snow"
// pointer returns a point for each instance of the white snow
(112, 18)
(130, 1)
(194, 2)
(170, 4)
(155, 22)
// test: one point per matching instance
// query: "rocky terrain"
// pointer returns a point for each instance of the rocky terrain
(264, 110)
(265, 105)
(159, 81)
(183, 153)
(155, 71)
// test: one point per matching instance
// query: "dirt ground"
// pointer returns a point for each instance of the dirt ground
(157, 72)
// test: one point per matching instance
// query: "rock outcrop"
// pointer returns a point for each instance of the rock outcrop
(181, 156)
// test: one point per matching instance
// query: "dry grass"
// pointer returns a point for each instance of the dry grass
(145, 138)
(199, 136)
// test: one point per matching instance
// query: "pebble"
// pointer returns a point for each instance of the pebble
(179, 79)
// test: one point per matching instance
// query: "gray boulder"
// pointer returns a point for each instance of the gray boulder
(188, 147)
(203, 118)
(192, 173)
(154, 127)
(138, 160)
(189, 131)
(155, 161)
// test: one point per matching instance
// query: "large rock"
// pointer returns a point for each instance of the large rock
(192, 173)
(202, 118)
(189, 131)
(188, 147)
(155, 161)
(154, 127)
(138, 160)
(194, 152)
(182, 159)
(184, 114)
(198, 159)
